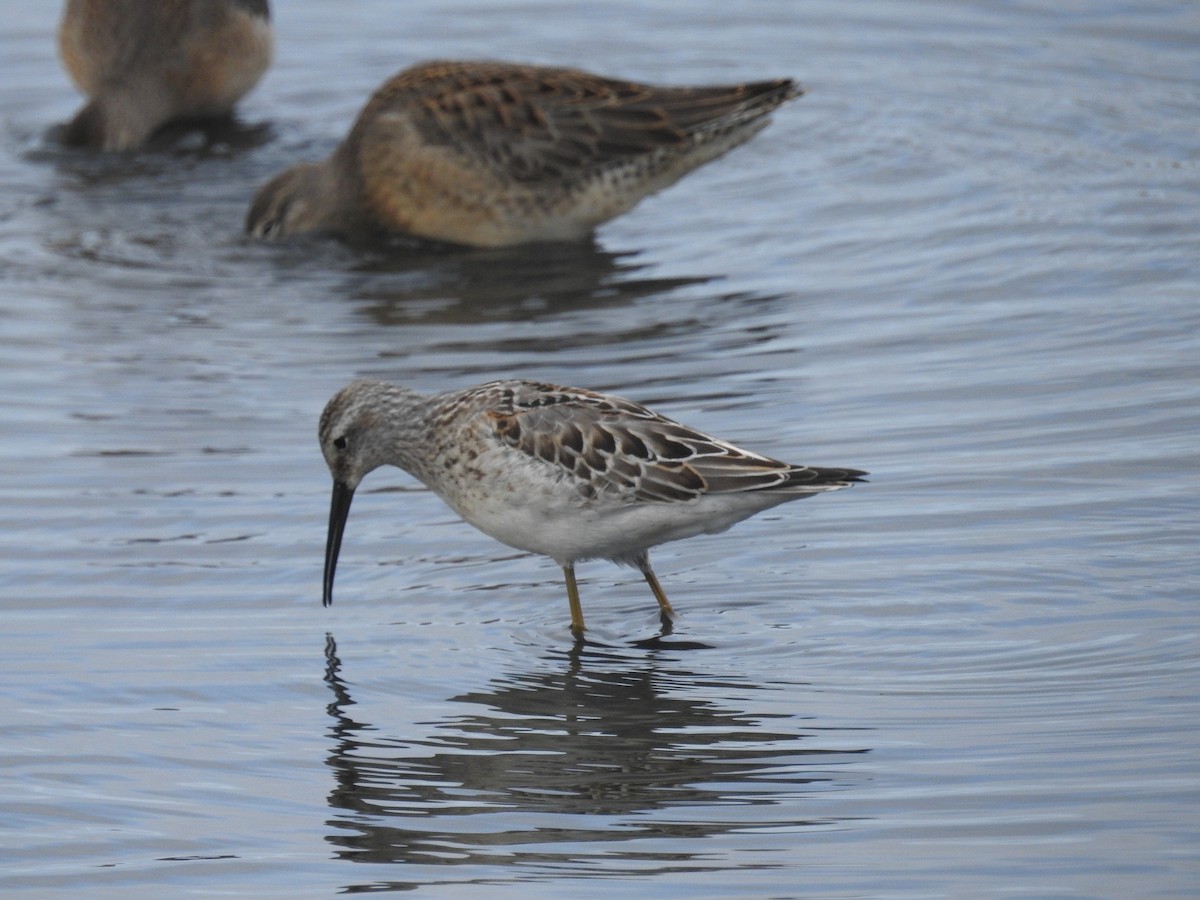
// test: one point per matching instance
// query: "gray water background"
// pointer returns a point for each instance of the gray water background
(966, 261)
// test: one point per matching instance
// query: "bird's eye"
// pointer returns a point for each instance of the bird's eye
(340, 442)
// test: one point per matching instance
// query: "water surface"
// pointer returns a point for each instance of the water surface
(965, 261)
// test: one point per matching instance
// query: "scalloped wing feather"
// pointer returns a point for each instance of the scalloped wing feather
(534, 123)
(615, 447)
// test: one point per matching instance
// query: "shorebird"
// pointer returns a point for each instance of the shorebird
(492, 154)
(144, 63)
(568, 473)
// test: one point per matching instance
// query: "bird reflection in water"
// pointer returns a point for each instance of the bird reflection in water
(596, 754)
(432, 283)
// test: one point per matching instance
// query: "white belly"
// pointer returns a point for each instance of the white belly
(553, 519)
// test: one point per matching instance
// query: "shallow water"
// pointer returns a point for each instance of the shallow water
(965, 261)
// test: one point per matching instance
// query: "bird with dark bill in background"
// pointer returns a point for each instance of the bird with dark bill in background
(492, 154)
(145, 63)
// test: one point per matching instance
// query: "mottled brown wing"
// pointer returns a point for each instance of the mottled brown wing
(618, 448)
(534, 123)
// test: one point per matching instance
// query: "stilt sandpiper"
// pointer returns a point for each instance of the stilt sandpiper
(568, 473)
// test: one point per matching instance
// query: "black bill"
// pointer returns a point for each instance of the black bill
(339, 511)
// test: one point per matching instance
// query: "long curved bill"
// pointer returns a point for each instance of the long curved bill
(339, 511)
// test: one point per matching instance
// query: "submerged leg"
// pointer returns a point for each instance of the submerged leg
(573, 599)
(643, 564)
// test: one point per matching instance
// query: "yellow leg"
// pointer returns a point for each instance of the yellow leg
(573, 599)
(652, 580)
